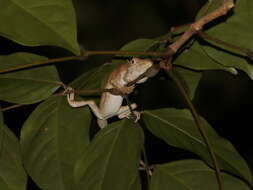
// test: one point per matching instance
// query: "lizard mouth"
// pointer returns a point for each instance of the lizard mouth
(136, 80)
(150, 72)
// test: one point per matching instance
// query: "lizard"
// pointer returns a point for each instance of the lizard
(123, 78)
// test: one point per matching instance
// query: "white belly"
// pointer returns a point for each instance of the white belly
(111, 106)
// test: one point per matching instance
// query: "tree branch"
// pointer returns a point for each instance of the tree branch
(85, 55)
(11, 107)
(199, 24)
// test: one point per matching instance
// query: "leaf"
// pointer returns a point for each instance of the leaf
(191, 175)
(12, 173)
(195, 58)
(209, 7)
(112, 158)
(93, 79)
(139, 45)
(30, 85)
(52, 139)
(190, 79)
(230, 60)
(236, 30)
(177, 128)
(39, 23)
(175, 31)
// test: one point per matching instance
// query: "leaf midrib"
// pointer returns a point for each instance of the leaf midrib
(176, 178)
(110, 154)
(175, 127)
(58, 103)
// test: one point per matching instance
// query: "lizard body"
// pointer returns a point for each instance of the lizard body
(110, 104)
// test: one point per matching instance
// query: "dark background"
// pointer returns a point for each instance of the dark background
(223, 99)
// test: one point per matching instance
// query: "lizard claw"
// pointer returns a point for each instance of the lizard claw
(135, 116)
(68, 90)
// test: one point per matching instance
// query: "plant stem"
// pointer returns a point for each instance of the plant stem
(125, 53)
(145, 159)
(147, 165)
(34, 64)
(200, 127)
(11, 107)
(83, 56)
(247, 52)
(198, 25)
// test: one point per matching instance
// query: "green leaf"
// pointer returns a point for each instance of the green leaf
(191, 175)
(112, 158)
(210, 6)
(230, 60)
(190, 79)
(36, 23)
(52, 139)
(238, 31)
(12, 173)
(179, 30)
(177, 128)
(139, 45)
(94, 79)
(30, 85)
(195, 58)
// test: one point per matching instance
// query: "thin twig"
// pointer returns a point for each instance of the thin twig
(200, 127)
(84, 55)
(147, 169)
(39, 63)
(199, 24)
(11, 107)
(125, 53)
(247, 52)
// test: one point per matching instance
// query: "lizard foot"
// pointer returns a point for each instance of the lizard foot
(134, 116)
(68, 90)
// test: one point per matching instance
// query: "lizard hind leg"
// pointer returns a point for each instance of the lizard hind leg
(93, 106)
(125, 112)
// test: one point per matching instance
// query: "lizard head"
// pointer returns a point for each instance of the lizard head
(137, 67)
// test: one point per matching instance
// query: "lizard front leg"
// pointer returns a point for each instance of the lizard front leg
(124, 111)
(102, 122)
(122, 89)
